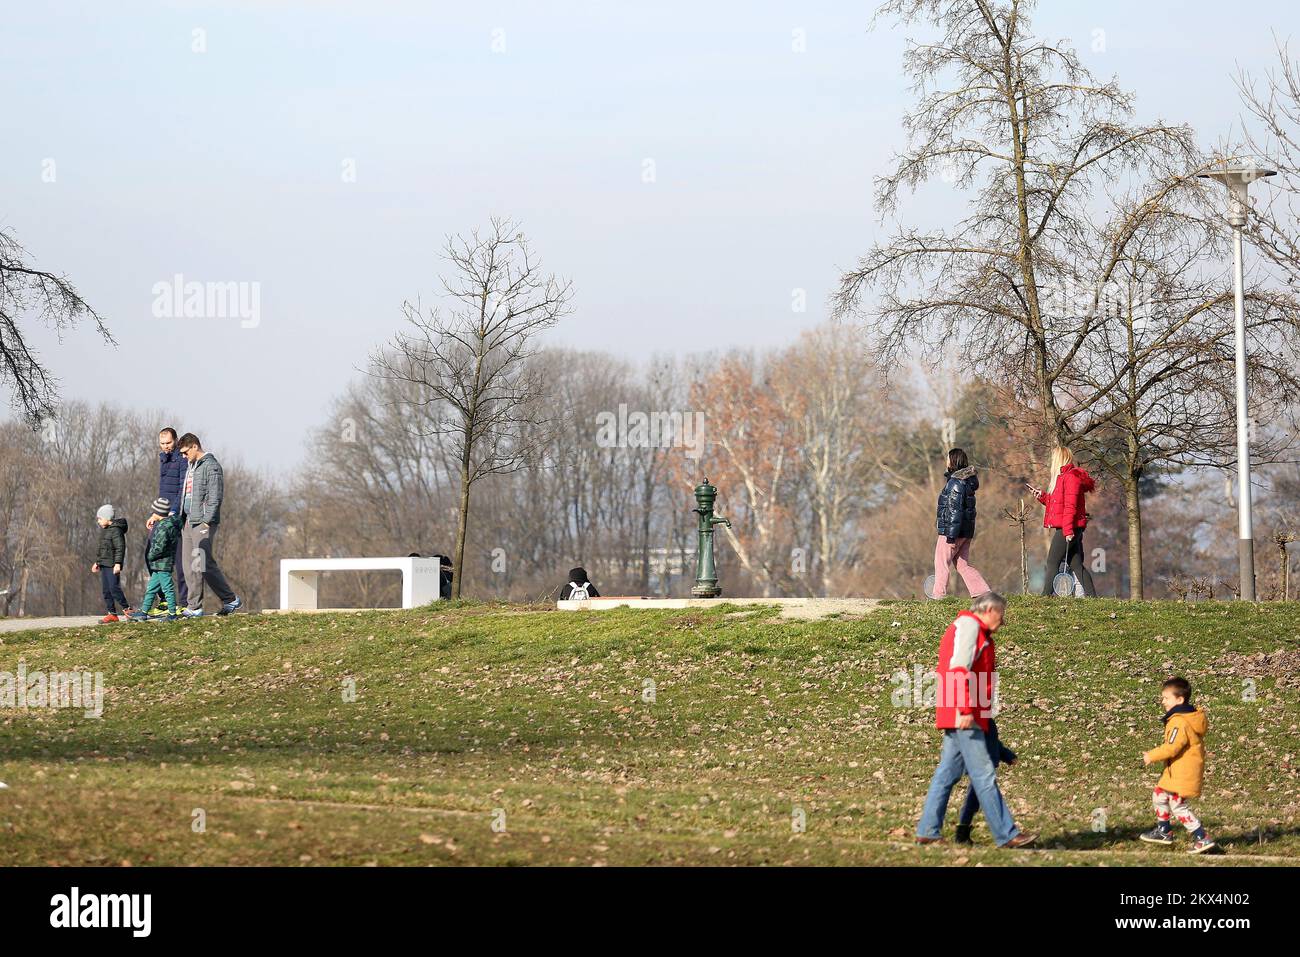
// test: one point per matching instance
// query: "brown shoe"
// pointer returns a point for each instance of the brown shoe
(930, 840)
(1021, 840)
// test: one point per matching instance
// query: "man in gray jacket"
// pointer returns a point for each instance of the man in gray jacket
(201, 494)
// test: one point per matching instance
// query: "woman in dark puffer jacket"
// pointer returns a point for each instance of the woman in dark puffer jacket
(955, 522)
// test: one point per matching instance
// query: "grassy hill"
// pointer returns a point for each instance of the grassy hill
(466, 715)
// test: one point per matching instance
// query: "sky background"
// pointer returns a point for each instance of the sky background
(227, 165)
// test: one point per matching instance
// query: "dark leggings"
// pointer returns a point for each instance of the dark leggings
(1071, 551)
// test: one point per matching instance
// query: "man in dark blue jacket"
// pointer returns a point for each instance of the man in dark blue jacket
(171, 478)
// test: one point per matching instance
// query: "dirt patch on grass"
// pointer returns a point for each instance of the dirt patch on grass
(821, 607)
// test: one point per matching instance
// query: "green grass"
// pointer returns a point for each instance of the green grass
(463, 710)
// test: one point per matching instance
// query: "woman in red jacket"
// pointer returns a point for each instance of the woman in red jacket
(1066, 512)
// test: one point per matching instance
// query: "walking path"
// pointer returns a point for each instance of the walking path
(32, 624)
(790, 607)
(806, 608)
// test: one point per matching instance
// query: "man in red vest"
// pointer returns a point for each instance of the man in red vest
(966, 700)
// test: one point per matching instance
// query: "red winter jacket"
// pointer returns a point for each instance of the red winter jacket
(967, 679)
(1065, 508)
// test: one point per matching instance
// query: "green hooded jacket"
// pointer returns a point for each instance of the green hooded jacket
(162, 547)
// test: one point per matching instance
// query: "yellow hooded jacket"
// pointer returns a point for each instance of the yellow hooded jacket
(1183, 752)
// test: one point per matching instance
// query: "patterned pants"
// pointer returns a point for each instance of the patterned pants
(1168, 804)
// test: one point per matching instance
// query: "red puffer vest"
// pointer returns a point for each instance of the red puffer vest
(1065, 505)
(967, 676)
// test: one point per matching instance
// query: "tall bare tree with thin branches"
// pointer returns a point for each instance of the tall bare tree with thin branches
(1272, 132)
(469, 361)
(1032, 139)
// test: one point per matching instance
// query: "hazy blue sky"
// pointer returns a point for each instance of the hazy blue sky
(227, 165)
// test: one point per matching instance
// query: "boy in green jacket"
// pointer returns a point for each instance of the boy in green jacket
(160, 559)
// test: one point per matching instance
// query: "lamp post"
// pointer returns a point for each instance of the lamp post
(1238, 177)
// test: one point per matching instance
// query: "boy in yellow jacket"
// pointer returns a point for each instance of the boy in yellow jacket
(1183, 752)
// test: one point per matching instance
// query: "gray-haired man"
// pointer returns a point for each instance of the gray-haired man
(964, 708)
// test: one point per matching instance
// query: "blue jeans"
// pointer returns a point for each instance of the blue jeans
(966, 752)
(971, 806)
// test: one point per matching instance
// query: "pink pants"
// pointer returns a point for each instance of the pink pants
(944, 555)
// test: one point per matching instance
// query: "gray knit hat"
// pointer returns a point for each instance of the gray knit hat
(105, 512)
(161, 506)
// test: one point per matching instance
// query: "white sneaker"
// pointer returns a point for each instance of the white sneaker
(3, 785)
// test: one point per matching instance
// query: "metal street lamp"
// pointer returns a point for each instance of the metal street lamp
(1238, 177)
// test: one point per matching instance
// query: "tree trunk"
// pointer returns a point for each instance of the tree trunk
(647, 508)
(1282, 569)
(22, 592)
(1024, 551)
(462, 520)
(1133, 504)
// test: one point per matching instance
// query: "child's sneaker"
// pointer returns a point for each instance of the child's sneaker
(1158, 835)
(137, 616)
(109, 619)
(192, 613)
(1201, 846)
(231, 606)
(159, 611)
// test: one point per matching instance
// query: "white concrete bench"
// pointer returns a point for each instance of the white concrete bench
(300, 578)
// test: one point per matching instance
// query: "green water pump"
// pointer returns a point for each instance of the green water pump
(706, 575)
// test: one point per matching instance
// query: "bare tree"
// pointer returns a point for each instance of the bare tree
(826, 392)
(1272, 132)
(469, 362)
(53, 300)
(1153, 384)
(1033, 139)
(750, 450)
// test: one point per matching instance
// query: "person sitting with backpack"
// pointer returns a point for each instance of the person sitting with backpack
(578, 587)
